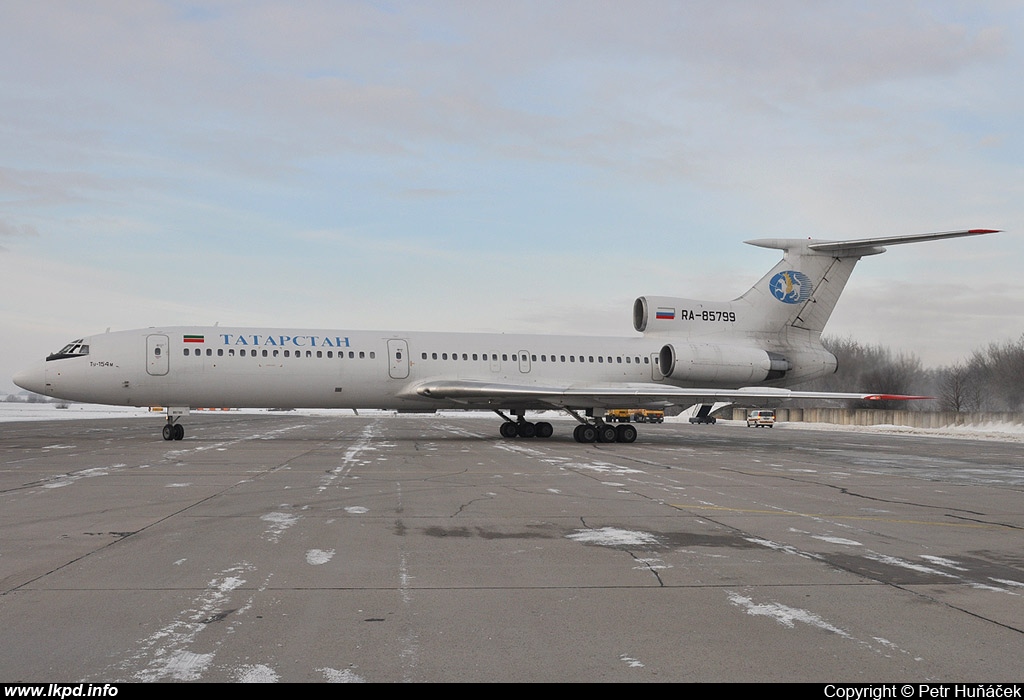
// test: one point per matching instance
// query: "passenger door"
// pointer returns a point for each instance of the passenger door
(398, 359)
(157, 355)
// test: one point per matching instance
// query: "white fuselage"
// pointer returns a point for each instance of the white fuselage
(689, 351)
(290, 368)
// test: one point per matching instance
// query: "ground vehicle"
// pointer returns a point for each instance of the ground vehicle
(760, 419)
(634, 415)
(648, 416)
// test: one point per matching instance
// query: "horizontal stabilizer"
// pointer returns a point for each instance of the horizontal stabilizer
(834, 246)
(811, 276)
(862, 246)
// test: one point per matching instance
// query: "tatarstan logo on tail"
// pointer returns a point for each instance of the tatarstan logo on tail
(790, 287)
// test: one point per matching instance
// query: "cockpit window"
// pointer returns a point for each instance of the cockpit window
(76, 348)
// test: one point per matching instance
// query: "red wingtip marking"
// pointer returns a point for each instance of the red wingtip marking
(897, 397)
(984, 230)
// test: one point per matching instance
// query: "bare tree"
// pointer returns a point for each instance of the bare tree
(960, 388)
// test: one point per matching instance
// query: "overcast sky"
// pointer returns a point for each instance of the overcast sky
(519, 166)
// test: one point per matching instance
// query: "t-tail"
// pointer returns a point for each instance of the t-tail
(782, 315)
(800, 292)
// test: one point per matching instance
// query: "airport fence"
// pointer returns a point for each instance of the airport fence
(874, 416)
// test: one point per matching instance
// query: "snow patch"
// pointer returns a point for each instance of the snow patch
(604, 467)
(279, 522)
(837, 540)
(316, 557)
(613, 537)
(257, 673)
(783, 614)
(345, 675)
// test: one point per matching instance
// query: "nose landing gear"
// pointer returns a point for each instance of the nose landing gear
(172, 429)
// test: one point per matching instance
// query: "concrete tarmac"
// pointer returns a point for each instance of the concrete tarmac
(333, 548)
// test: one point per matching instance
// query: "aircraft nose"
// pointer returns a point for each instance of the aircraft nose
(32, 378)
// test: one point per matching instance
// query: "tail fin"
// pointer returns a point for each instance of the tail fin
(803, 288)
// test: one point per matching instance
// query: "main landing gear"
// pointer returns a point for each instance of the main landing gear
(603, 432)
(592, 430)
(596, 430)
(524, 428)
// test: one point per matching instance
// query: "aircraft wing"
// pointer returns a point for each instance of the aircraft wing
(495, 395)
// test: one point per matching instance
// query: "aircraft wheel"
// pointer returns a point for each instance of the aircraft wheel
(544, 430)
(179, 432)
(625, 433)
(585, 433)
(168, 431)
(526, 430)
(606, 433)
(508, 430)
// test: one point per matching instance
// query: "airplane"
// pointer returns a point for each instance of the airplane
(688, 352)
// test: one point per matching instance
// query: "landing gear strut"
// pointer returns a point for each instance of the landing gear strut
(596, 430)
(173, 430)
(591, 429)
(520, 427)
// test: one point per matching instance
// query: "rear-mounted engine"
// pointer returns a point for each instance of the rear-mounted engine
(730, 364)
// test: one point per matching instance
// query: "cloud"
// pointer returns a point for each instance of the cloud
(20, 230)
(523, 165)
